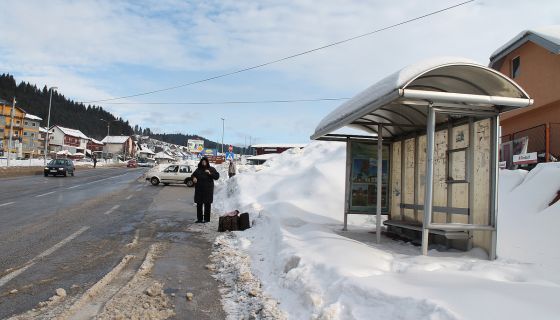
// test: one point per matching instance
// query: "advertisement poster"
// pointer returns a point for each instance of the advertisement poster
(363, 177)
(195, 146)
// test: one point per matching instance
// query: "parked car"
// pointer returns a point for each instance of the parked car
(132, 164)
(175, 173)
(59, 167)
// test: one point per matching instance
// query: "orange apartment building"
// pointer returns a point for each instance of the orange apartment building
(532, 59)
(5, 122)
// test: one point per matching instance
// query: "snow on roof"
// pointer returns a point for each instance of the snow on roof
(161, 155)
(96, 141)
(146, 150)
(279, 145)
(547, 37)
(264, 156)
(388, 91)
(115, 139)
(73, 132)
(32, 117)
(42, 129)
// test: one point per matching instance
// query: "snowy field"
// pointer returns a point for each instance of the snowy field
(315, 271)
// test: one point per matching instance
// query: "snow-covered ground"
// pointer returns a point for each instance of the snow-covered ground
(314, 270)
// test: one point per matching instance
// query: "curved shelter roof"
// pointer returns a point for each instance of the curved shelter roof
(399, 102)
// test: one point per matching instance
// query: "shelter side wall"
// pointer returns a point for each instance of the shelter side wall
(408, 186)
(458, 171)
(396, 187)
(440, 175)
(481, 210)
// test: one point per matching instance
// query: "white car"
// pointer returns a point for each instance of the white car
(173, 173)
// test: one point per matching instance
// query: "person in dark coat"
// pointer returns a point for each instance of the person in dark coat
(203, 178)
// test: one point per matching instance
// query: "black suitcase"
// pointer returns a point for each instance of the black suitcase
(244, 222)
(227, 223)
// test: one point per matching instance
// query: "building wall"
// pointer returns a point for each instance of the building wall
(261, 151)
(32, 146)
(540, 77)
(5, 114)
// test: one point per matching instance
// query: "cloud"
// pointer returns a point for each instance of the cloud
(101, 49)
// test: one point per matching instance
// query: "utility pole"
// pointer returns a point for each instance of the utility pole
(11, 132)
(223, 128)
(48, 125)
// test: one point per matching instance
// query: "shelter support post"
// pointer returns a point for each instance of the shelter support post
(379, 181)
(430, 137)
(347, 184)
(495, 126)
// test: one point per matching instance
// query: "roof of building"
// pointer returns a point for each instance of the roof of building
(115, 139)
(32, 117)
(73, 132)
(42, 129)
(547, 37)
(161, 155)
(399, 102)
(279, 145)
(96, 141)
(147, 151)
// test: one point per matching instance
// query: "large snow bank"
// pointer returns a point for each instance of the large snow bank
(529, 229)
(316, 271)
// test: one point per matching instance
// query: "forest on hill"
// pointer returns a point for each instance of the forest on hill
(76, 115)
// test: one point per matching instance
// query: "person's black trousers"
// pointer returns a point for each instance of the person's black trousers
(207, 208)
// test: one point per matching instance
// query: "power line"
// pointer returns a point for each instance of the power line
(230, 102)
(286, 58)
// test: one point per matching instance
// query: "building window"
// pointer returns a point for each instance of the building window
(515, 67)
(33, 124)
(25, 133)
(26, 123)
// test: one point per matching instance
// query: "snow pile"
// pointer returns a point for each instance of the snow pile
(528, 228)
(316, 271)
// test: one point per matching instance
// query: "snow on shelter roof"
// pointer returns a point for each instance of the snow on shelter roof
(399, 102)
(32, 117)
(547, 37)
(115, 139)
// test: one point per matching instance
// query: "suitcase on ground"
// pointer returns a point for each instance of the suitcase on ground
(227, 223)
(244, 222)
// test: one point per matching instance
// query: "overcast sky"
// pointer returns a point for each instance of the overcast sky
(94, 50)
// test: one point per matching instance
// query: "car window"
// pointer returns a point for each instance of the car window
(172, 169)
(184, 169)
(57, 162)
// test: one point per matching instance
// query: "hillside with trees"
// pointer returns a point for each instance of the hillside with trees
(76, 115)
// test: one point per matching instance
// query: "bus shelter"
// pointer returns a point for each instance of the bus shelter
(429, 156)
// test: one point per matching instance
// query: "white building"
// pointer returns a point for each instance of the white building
(118, 145)
(71, 140)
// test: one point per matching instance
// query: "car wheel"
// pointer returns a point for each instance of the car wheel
(154, 181)
(189, 183)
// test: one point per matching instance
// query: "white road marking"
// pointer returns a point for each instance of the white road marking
(45, 194)
(6, 204)
(115, 207)
(80, 185)
(129, 197)
(5, 279)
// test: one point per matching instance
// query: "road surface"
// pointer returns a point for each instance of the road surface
(69, 232)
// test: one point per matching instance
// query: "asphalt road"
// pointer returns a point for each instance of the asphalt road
(68, 232)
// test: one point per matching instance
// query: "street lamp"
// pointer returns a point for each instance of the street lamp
(223, 128)
(48, 124)
(108, 124)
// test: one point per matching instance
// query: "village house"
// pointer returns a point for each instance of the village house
(32, 145)
(63, 139)
(118, 146)
(532, 59)
(95, 147)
